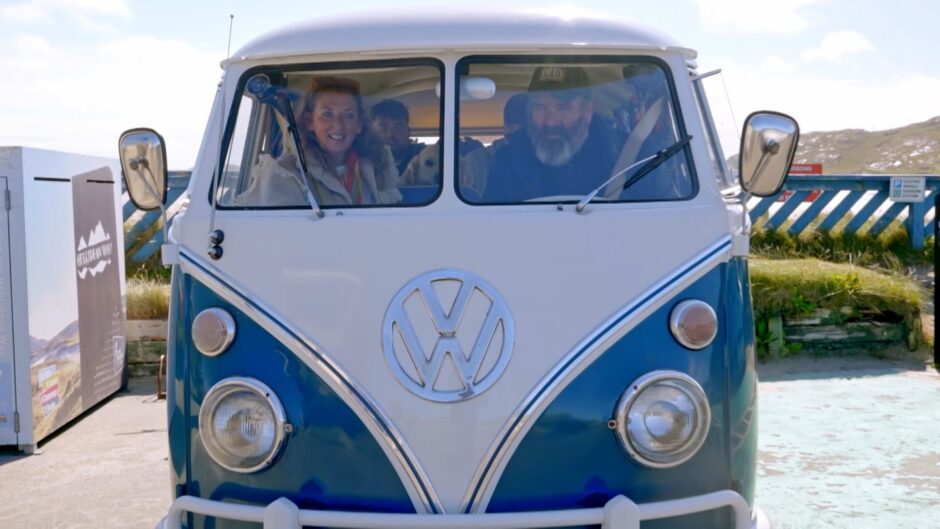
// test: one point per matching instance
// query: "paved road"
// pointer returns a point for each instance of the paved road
(107, 470)
(851, 444)
(845, 444)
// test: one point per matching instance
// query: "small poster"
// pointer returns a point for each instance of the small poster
(908, 188)
(100, 307)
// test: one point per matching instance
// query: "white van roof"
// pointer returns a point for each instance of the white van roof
(429, 30)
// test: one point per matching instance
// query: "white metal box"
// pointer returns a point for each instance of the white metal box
(62, 290)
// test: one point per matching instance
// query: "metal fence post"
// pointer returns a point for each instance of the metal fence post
(915, 219)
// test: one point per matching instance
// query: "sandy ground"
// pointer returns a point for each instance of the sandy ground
(109, 469)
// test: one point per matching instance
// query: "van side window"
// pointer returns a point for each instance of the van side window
(555, 130)
(347, 137)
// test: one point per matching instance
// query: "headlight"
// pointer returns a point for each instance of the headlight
(242, 424)
(662, 419)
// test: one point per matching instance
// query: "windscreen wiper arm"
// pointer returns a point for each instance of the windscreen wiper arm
(279, 98)
(647, 165)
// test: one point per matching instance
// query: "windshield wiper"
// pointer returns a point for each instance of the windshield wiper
(279, 98)
(647, 165)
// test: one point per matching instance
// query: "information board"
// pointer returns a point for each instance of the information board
(908, 188)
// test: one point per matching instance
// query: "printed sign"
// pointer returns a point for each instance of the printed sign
(907, 188)
(49, 389)
(803, 169)
(100, 310)
(806, 168)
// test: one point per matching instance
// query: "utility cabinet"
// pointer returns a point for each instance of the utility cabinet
(62, 290)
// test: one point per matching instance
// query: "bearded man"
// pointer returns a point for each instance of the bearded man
(562, 151)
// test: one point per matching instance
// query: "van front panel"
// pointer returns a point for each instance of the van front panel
(338, 297)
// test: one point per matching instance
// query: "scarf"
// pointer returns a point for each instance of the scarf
(352, 180)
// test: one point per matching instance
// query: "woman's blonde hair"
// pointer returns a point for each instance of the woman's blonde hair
(368, 145)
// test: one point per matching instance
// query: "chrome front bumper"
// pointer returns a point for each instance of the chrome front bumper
(618, 513)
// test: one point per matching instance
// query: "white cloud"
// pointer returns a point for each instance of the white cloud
(831, 104)
(41, 11)
(115, 8)
(24, 13)
(782, 16)
(836, 44)
(80, 99)
(33, 44)
(774, 64)
(95, 25)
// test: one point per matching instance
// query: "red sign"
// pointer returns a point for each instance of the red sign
(803, 169)
(49, 394)
(806, 168)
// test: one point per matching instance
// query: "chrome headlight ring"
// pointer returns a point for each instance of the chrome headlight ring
(662, 419)
(243, 425)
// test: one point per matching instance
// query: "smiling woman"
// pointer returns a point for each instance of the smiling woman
(304, 136)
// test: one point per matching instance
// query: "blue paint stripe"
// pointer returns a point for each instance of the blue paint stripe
(812, 212)
(784, 212)
(148, 249)
(128, 209)
(847, 202)
(885, 220)
(761, 207)
(149, 219)
(928, 225)
(866, 212)
(597, 337)
(365, 403)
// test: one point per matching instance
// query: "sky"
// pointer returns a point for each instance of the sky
(77, 73)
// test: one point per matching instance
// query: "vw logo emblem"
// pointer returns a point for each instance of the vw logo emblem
(447, 335)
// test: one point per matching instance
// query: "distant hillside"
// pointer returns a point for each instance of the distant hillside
(914, 149)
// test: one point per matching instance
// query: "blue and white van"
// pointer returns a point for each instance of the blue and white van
(549, 327)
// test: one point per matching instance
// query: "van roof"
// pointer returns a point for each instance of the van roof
(431, 30)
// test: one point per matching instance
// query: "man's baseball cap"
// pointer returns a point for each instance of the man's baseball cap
(570, 80)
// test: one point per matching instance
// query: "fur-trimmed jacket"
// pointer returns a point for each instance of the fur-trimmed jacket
(277, 183)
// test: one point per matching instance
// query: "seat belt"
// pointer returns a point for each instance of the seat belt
(631, 147)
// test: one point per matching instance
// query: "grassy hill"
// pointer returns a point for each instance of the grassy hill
(914, 149)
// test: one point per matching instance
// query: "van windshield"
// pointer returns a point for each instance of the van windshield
(553, 130)
(348, 137)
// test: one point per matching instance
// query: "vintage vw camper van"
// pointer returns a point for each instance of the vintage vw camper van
(529, 309)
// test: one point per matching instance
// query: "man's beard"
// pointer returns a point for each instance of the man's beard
(554, 146)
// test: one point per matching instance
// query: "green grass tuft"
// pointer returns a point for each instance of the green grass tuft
(147, 299)
(890, 251)
(793, 287)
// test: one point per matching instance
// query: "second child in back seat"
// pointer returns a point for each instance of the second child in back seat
(390, 121)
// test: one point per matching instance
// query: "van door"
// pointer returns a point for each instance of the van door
(8, 430)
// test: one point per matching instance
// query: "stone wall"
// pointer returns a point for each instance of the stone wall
(146, 343)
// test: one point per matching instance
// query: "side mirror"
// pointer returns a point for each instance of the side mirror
(143, 163)
(768, 145)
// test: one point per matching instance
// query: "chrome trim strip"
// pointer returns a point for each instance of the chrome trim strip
(220, 390)
(619, 512)
(580, 357)
(356, 398)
